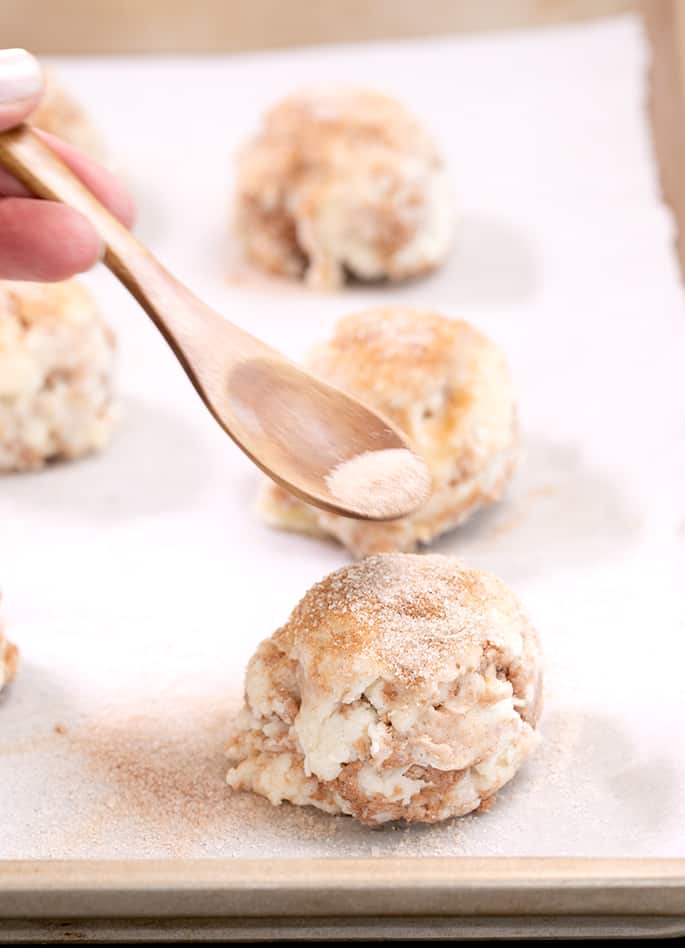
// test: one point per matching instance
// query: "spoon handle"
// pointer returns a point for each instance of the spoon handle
(25, 155)
(294, 426)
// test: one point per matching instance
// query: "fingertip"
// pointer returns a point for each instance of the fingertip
(14, 113)
(82, 246)
(21, 86)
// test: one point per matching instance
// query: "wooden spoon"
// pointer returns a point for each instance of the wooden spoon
(294, 426)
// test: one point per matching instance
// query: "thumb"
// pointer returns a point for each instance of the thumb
(21, 86)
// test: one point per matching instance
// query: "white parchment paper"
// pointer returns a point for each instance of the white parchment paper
(138, 583)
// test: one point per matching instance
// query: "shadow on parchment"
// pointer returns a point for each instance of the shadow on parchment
(491, 261)
(155, 463)
(560, 511)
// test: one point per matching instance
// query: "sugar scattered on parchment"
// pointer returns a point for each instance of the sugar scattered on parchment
(386, 483)
(153, 785)
(160, 767)
(163, 767)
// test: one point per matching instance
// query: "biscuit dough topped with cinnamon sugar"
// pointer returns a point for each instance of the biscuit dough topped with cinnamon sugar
(401, 687)
(8, 659)
(343, 181)
(56, 370)
(448, 388)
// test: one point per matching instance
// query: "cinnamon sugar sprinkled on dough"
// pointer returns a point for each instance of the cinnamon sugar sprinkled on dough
(343, 181)
(9, 657)
(407, 614)
(401, 687)
(386, 483)
(56, 369)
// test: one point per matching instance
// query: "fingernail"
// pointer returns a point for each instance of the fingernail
(20, 76)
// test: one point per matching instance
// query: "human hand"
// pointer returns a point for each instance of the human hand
(43, 240)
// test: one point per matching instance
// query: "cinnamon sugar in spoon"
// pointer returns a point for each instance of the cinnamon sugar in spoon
(317, 442)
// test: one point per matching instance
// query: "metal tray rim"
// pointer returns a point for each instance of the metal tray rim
(342, 887)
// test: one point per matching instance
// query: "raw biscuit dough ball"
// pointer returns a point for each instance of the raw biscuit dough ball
(8, 659)
(60, 114)
(449, 389)
(56, 365)
(343, 182)
(402, 687)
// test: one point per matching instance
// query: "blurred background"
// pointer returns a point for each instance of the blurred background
(167, 26)
(54, 27)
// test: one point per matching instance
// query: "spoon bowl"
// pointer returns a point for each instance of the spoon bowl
(272, 401)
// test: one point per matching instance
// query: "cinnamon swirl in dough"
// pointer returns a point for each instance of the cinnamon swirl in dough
(448, 388)
(60, 114)
(343, 181)
(401, 687)
(56, 365)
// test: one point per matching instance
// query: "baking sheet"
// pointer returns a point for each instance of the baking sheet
(138, 583)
